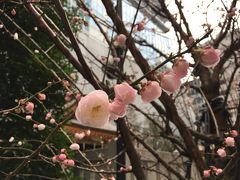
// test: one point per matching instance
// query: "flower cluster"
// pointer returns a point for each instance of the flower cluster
(228, 142)
(62, 157)
(171, 80)
(210, 57)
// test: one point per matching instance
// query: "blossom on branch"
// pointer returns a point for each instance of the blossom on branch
(93, 109)
(150, 91)
(210, 57)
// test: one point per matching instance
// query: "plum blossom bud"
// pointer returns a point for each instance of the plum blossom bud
(13, 12)
(62, 157)
(125, 93)
(63, 150)
(35, 28)
(52, 121)
(170, 82)
(103, 179)
(218, 171)
(66, 83)
(15, 36)
(41, 96)
(36, 51)
(122, 169)
(11, 139)
(29, 107)
(206, 173)
(19, 143)
(54, 159)
(93, 109)
(229, 141)
(180, 67)
(68, 96)
(79, 136)
(74, 147)
(129, 168)
(41, 127)
(1, 26)
(48, 116)
(221, 152)
(71, 163)
(121, 39)
(210, 56)
(150, 91)
(140, 26)
(116, 59)
(234, 133)
(88, 132)
(28, 117)
(35, 125)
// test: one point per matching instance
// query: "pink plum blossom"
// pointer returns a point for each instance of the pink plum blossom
(29, 107)
(68, 96)
(150, 91)
(170, 82)
(63, 150)
(221, 152)
(74, 147)
(41, 96)
(66, 83)
(79, 136)
(118, 108)
(229, 141)
(180, 67)
(71, 163)
(62, 157)
(129, 168)
(35, 125)
(234, 133)
(41, 127)
(52, 121)
(121, 39)
(210, 57)
(125, 93)
(48, 116)
(93, 109)
(206, 173)
(13, 12)
(218, 171)
(54, 159)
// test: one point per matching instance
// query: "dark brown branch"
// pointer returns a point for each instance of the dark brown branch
(88, 74)
(131, 151)
(153, 152)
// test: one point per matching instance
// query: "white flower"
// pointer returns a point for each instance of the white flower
(74, 147)
(93, 109)
(15, 36)
(41, 127)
